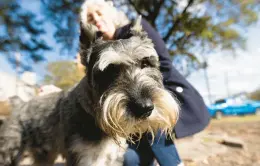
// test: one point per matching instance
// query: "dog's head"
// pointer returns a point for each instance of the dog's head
(127, 83)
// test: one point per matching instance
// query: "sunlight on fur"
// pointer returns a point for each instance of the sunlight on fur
(116, 122)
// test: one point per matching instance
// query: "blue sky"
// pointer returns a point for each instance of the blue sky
(241, 71)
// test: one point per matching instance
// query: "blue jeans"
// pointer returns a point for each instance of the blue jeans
(143, 154)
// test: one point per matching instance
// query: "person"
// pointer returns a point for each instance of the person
(194, 115)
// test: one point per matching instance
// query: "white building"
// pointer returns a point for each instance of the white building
(23, 87)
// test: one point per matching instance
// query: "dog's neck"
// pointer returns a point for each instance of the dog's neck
(84, 94)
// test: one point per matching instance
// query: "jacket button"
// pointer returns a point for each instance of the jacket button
(179, 89)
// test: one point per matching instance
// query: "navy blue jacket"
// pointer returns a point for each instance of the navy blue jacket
(194, 115)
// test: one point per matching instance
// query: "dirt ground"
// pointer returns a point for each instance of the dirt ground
(245, 128)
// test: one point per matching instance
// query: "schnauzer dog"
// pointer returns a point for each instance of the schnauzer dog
(121, 97)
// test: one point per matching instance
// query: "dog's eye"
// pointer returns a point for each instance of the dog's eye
(110, 73)
(144, 64)
(148, 62)
(112, 68)
(104, 79)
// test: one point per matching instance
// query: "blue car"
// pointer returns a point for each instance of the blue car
(240, 105)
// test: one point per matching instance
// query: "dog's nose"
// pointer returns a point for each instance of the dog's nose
(148, 107)
(141, 109)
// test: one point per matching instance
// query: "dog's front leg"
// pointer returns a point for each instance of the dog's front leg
(102, 153)
(77, 159)
(10, 143)
(72, 159)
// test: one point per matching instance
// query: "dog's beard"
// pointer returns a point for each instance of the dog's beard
(117, 122)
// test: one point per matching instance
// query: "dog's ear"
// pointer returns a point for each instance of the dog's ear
(88, 35)
(86, 39)
(137, 29)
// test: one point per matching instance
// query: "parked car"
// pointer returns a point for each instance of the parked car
(240, 105)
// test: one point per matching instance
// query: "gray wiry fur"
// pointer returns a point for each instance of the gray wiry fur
(121, 96)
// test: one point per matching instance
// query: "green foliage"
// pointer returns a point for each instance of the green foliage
(198, 26)
(63, 74)
(189, 29)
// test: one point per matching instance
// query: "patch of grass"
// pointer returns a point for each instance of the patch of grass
(4, 108)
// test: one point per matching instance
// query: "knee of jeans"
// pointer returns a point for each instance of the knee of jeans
(131, 158)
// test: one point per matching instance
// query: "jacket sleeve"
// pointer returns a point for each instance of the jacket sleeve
(194, 115)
